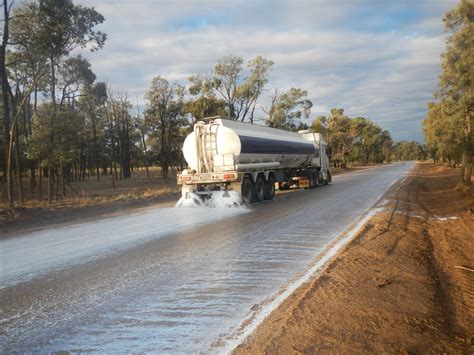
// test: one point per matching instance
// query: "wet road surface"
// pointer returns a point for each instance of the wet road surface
(169, 279)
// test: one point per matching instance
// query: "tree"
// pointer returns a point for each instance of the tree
(44, 33)
(241, 93)
(340, 138)
(55, 142)
(92, 106)
(6, 96)
(457, 76)
(443, 137)
(409, 150)
(287, 108)
(320, 125)
(204, 102)
(120, 124)
(164, 115)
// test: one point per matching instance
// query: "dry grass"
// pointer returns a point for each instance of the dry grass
(92, 192)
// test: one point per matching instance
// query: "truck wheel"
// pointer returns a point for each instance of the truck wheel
(328, 179)
(260, 189)
(310, 180)
(248, 192)
(315, 180)
(270, 188)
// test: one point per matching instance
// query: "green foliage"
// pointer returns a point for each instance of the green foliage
(443, 137)
(354, 140)
(408, 150)
(240, 91)
(56, 27)
(449, 121)
(164, 115)
(287, 108)
(204, 102)
(55, 141)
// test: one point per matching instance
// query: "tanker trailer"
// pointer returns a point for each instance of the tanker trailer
(230, 157)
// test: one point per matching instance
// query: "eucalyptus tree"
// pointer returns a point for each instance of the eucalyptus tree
(56, 28)
(164, 115)
(287, 108)
(203, 102)
(441, 129)
(456, 84)
(44, 33)
(340, 137)
(91, 104)
(6, 97)
(241, 89)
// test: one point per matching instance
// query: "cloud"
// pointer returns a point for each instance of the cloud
(374, 59)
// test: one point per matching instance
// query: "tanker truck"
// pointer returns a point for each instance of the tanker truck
(250, 161)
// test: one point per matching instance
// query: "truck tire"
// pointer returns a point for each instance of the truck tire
(270, 188)
(248, 191)
(260, 189)
(328, 179)
(313, 179)
(310, 180)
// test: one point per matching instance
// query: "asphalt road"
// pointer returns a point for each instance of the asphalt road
(169, 279)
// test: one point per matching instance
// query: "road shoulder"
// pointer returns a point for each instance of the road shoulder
(403, 284)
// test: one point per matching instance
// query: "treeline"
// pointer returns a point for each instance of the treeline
(448, 124)
(361, 141)
(61, 125)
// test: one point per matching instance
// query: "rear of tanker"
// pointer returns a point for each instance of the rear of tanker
(247, 163)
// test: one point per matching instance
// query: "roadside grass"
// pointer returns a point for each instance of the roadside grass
(91, 192)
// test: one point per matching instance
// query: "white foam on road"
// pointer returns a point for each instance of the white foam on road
(26, 257)
(217, 199)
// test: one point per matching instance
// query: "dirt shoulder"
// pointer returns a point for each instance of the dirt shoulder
(404, 284)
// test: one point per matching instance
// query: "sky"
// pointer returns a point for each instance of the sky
(378, 59)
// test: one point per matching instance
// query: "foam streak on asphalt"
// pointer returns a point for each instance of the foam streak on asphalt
(28, 256)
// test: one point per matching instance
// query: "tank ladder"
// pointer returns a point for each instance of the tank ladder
(209, 147)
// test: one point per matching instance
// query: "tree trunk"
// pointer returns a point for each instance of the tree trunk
(6, 91)
(18, 168)
(115, 171)
(50, 185)
(56, 180)
(32, 177)
(468, 150)
(63, 185)
(112, 174)
(145, 156)
(126, 152)
(40, 187)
